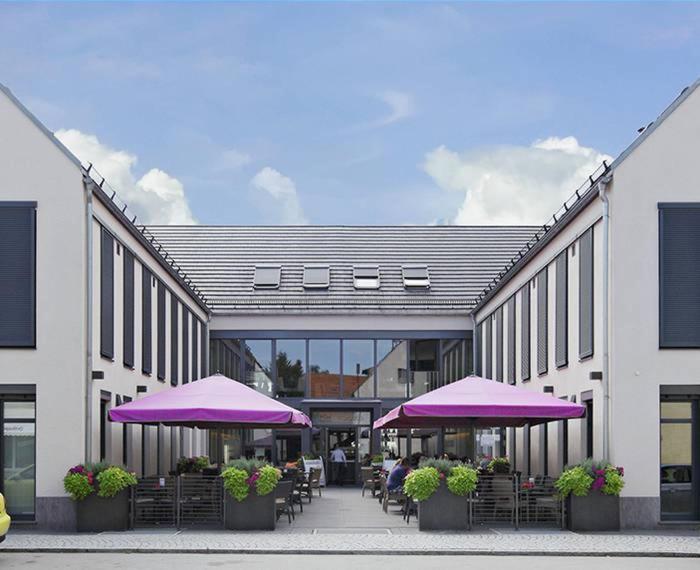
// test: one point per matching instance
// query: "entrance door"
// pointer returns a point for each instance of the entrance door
(345, 439)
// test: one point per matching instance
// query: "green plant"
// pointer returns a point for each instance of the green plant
(236, 482)
(443, 466)
(378, 458)
(421, 483)
(113, 480)
(250, 466)
(613, 481)
(499, 465)
(192, 464)
(267, 480)
(77, 486)
(574, 481)
(462, 480)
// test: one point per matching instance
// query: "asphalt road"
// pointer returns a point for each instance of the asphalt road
(95, 561)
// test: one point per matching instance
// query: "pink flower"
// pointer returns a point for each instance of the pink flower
(621, 471)
(599, 472)
(598, 483)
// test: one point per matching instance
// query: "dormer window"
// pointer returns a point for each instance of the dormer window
(316, 277)
(267, 277)
(366, 276)
(415, 276)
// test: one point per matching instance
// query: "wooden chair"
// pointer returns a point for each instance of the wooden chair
(314, 482)
(368, 481)
(283, 499)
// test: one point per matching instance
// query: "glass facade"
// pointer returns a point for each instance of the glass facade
(258, 366)
(358, 368)
(19, 457)
(290, 364)
(391, 372)
(324, 368)
(424, 366)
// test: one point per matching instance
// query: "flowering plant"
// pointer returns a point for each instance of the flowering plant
(421, 483)
(527, 485)
(192, 464)
(499, 465)
(242, 476)
(106, 480)
(591, 476)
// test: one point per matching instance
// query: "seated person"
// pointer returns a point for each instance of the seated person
(397, 475)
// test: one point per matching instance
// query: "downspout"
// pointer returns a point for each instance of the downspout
(88, 351)
(602, 189)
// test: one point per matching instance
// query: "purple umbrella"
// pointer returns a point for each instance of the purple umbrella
(478, 402)
(213, 402)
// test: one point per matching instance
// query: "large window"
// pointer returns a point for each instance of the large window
(358, 368)
(392, 359)
(424, 366)
(258, 366)
(106, 294)
(456, 359)
(585, 294)
(542, 322)
(561, 310)
(324, 368)
(225, 358)
(499, 344)
(19, 457)
(146, 322)
(128, 293)
(17, 274)
(511, 340)
(525, 332)
(291, 368)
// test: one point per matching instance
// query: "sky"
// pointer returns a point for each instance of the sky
(347, 113)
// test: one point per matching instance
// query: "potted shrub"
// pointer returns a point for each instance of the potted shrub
(499, 465)
(441, 489)
(192, 465)
(378, 460)
(101, 493)
(249, 502)
(592, 493)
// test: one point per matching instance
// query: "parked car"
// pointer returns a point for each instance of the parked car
(676, 489)
(4, 519)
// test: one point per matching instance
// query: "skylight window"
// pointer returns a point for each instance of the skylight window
(316, 276)
(267, 277)
(416, 276)
(366, 276)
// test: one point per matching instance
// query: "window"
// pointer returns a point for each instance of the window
(544, 448)
(203, 342)
(511, 340)
(291, 368)
(679, 275)
(392, 360)
(185, 345)
(258, 366)
(415, 276)
(525, 332)
(195, 348)
(358, 368)
(499, 344)
(561, 311)
(542, 323)
(18, 274)
(126, 438)
(174, 352)
(488, 357)
(585, 295)
(161, 331)
(366, 277)
(128, 332)
(146, 322)
(316, 276)
(324, 368)
(106, 294)
(18, 460)
(479, 343)
(267, 277)
(424, 366)
(587, 401)
(105, 399)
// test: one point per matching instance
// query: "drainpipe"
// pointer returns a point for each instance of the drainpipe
(602, 189)
(88, 352)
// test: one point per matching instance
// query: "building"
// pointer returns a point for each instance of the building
(600, 305)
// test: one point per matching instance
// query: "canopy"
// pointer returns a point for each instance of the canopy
(213, 402)
(478, 402)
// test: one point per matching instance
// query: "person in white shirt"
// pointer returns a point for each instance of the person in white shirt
(338, 461)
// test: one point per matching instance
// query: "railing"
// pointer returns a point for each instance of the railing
(154, 502)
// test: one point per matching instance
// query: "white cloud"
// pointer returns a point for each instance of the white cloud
(283, 191)
(513, 184)
(156, 198)
(401, 106)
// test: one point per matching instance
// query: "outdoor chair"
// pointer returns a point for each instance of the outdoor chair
(283, 500)
(314, 482)
(503, 493)
(298, 491)
(368, 481)
(387, 496)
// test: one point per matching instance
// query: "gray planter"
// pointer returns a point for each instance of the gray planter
(594, 512)
(443, 511)
(97, 514)
(253, 513)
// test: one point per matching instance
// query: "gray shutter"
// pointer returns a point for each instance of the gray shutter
(106, 294)
(195, 348)
(679, 275)
(542, 322)
(479, 342)
(146, 322)
(18, 274)
(128, 332)
(585, 294)
(488, 357)
(174, 353)
(185, 345)
(561, 316)
(161, 331)
(511, 340)
(525, 332)
(203, 353)
(499, 344)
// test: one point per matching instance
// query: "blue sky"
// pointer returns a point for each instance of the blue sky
(347, 113)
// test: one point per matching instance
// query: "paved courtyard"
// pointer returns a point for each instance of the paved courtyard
(343, 522)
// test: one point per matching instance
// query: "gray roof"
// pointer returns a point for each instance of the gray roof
(461, 260)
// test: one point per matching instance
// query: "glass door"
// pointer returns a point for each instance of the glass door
(344, 439)
(18, 458)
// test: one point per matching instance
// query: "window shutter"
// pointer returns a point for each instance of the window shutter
(585, 292)
(479, 341)
(106, 294)
(161, 331)
(146, 322)
(18, 274)
(499, 344)
(174, 353)
(679, 275)
(128, 332)
(185, 345)
(561, 317)
(488, 365)
(511, 340)
(203, 353)
(525, 332)
(542, 316)
(195, 348)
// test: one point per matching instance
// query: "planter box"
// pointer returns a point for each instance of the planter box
(594, 512)
(98, 514)
(254, 513)
(443, 511)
